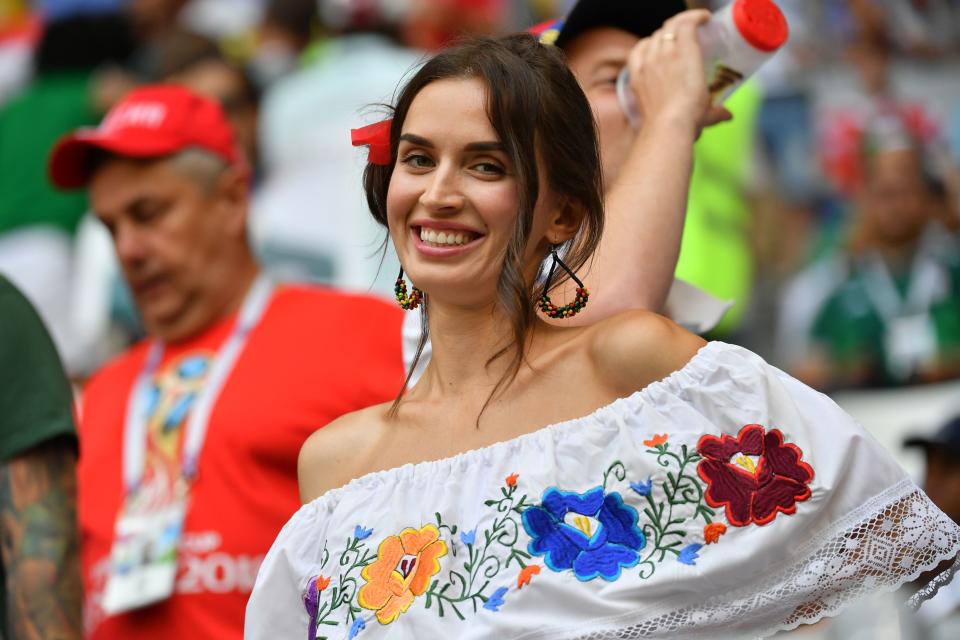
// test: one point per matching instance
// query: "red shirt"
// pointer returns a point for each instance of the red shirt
(314, 356)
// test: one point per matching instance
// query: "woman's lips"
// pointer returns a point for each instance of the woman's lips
(443, 241)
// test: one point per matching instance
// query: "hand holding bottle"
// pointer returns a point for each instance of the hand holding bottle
(731, 45)
(666, 73)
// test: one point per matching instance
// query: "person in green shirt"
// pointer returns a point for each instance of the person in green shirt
(895, 318)
(40, 592)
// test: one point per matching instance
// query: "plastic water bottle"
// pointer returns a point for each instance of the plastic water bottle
(736, 41)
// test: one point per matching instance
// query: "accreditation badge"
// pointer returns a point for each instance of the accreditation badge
(911, 341)
(143, 560)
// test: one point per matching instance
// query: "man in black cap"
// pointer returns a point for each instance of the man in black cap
(942, 477)
(657, 40)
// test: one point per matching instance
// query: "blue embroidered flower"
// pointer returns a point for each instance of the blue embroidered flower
(357, 626)
(602, 539)
(360, 533)
(688, 555)
(643, 489)
(468, 537)
(496, 600)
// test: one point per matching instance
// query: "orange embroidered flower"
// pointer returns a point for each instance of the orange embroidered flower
(512, 479)
(713, 531)
(526, 574)
(403, 568)
(657, 440)
(322, 583)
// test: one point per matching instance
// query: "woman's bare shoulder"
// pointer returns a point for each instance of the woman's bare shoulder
(632, 349)
(331, 457)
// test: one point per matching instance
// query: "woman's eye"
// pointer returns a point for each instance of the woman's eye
(417, 161)
(489, 168)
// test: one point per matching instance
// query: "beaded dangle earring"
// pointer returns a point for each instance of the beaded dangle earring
(406, 302)
(568, 310)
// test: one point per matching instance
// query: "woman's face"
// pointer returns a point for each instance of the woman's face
(453, 198)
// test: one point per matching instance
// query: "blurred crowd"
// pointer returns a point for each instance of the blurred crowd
(827, 211)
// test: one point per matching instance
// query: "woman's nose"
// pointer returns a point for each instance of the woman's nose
(443, 192)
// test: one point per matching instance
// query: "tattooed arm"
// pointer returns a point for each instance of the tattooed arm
(39, 540)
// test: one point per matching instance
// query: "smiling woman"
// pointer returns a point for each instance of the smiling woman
(482, 145)
(619, 480)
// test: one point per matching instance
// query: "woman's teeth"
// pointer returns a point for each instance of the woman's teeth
(445, 238)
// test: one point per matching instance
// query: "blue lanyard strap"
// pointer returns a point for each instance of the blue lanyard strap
(135, 426)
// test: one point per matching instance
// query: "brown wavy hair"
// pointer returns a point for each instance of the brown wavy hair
(541, 116)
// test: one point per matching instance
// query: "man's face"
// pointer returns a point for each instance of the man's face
(169, 232)
(898, 202)
(596, 57)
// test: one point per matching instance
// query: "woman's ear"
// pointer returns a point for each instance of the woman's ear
(565, 221)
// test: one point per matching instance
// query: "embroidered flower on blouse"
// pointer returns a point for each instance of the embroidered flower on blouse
(713, 531)
(468, 537)
(657, 440)
(526, 574)
(495, 601)
(512, 479)
(361, 533)
(402, 571)
(688, 555)
(642, 489)
(357, 626)
(593, 533)
(754, 475)
(311, 601)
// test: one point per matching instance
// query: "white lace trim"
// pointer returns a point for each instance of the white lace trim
(887, 542)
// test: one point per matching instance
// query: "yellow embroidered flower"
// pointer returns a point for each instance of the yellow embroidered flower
(402, 571)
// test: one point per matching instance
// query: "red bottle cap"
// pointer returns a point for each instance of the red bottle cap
(761, 23)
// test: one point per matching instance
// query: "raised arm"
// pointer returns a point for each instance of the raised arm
(647, 198)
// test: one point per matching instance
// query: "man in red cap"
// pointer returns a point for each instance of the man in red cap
(189, 440)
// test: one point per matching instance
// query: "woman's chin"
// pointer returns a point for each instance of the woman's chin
(456, 292)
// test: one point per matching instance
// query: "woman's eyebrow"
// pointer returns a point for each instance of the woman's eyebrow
(491, 145)
(416, 140)
(485, 146)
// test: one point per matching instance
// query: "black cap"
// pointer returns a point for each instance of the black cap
(639, 17)
(947, 437)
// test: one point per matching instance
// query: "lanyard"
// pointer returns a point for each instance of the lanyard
(923, 288)
(135, 427)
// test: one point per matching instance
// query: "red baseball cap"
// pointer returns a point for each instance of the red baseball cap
(150, 122)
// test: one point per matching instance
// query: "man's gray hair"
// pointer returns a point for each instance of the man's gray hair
(202, 166)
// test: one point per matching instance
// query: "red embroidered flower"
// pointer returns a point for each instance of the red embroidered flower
(754, 476)
(657, 440)
(512, 479)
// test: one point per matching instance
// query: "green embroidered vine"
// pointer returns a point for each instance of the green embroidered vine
(355, 557)
(618, 470)
(680, 489)
(485, 559)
